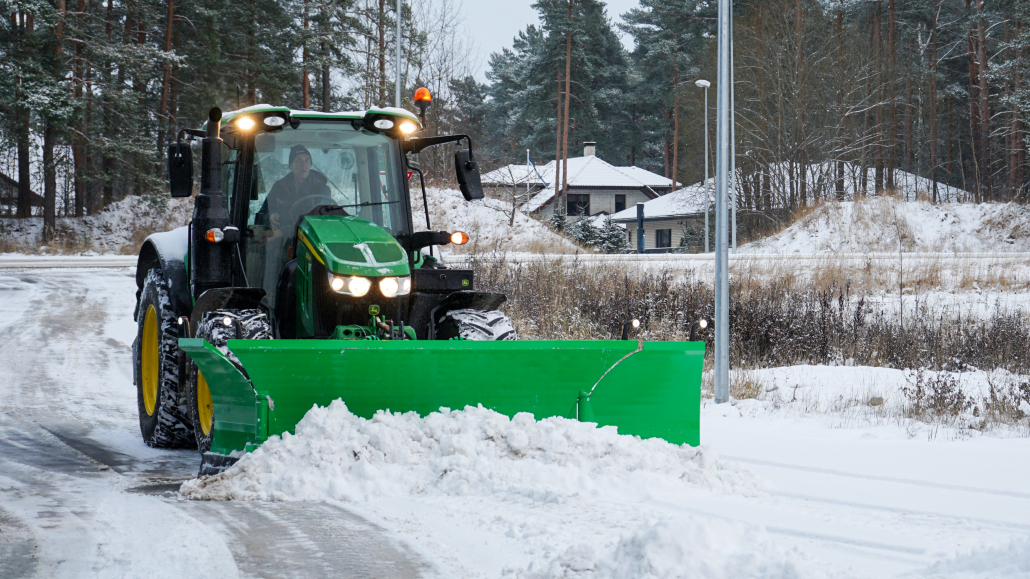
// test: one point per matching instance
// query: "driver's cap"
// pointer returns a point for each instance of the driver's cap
(298, 150)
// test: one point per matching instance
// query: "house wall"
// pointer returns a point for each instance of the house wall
(602, 200)
(751, 225)
(677, 225)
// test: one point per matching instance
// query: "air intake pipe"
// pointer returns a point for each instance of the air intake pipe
(211, 261)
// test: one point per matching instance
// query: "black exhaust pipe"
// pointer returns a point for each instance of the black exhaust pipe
(211, 261)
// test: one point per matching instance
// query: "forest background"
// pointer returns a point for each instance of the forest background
(91, 91)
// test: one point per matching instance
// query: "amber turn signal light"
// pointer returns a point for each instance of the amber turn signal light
(459, 238)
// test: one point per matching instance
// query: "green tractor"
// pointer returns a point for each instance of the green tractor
(301, 279)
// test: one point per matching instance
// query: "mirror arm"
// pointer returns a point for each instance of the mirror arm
(417, 144)
(190, 132)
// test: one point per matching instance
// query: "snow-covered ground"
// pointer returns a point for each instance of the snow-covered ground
(807, 480)
(887, 224)
(821, 474)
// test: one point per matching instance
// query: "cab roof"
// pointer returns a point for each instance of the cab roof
(228, 117)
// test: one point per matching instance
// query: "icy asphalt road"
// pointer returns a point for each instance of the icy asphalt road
(82, 496)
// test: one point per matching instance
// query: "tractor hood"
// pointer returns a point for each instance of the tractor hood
(352, 246)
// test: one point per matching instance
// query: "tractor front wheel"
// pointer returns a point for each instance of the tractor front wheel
(242, 324)
(162, 419)
(476, 325)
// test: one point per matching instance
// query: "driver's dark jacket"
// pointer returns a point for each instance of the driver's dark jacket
(285, 193)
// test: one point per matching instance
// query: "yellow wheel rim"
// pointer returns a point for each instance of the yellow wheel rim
(205, 408)
(150, 364)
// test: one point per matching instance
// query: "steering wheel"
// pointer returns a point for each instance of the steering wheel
(309, 199)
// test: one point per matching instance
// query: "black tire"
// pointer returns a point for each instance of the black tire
(476, 325)
(250, 325)
(163, 420)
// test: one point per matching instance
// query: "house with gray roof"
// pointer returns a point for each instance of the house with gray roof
(595, 187)
(677, 221)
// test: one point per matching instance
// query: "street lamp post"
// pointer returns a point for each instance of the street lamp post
(723, 158)
(397, 73)
(702, 83)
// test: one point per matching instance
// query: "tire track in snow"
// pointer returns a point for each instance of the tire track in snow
(832, 472)
(865, 506)
(303, 540)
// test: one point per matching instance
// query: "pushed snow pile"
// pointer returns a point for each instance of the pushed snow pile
(676, 548)
(488, 222)
(336, 455)
(882, 224)
(1010, 561)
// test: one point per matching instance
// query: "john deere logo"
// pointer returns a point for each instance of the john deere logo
(373, 310)
(464, 282)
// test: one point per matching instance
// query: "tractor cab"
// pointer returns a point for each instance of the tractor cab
(332, 164)
(307, 215)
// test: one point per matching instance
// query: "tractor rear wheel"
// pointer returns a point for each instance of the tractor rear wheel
(243, 324)
(476, 325)
(162, 419)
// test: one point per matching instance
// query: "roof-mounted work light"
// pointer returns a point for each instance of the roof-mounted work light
(245, 123)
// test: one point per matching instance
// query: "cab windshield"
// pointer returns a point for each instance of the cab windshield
(318, 163)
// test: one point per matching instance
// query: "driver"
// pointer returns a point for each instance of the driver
(302, 181)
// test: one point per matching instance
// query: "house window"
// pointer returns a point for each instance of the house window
(620, 203)
(663, 238)
(578, 204)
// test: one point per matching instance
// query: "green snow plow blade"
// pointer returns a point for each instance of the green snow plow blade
(653, 392)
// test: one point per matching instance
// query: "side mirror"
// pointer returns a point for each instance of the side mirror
(180, 169)
(264, 143)
(468, 175)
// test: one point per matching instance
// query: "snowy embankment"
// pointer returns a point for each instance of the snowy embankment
(122, 226)
(488, 222)
(885, 224)
(118, 229)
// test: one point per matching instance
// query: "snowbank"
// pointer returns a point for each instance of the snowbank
(882, 224)
(488, 223)
(122, 226)
(947, 404)
(1011, 561)
(119, 228)
(336, 455)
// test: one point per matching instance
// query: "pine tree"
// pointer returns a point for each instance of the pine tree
(671, 39)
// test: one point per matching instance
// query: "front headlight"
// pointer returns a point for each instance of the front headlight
(351, 285)
(395, 286)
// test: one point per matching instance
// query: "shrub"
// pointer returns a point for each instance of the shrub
(773, 322)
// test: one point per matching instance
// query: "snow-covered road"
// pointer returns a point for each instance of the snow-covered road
(81, 496)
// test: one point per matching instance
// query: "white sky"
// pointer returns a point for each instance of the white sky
(493, 24)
